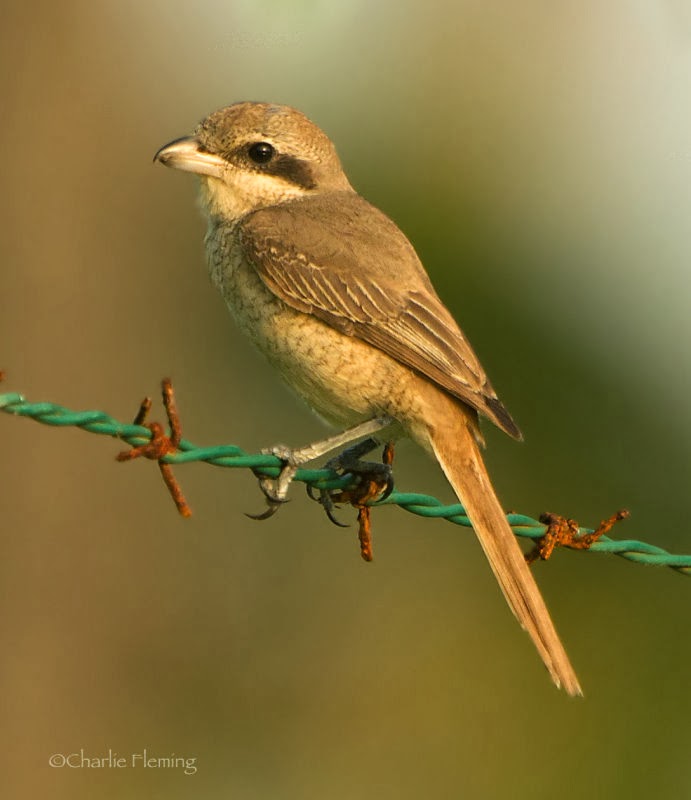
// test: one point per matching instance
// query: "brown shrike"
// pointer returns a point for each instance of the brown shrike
(334, 295)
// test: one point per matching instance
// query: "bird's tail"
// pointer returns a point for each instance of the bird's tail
(456, 448)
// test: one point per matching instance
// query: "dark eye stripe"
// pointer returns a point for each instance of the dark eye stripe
(292, 169)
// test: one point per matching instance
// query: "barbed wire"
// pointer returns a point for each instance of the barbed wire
(140, 436)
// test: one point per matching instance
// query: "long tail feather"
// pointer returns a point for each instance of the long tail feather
(460, 458)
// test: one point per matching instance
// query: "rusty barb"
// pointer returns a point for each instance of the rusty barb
(161, 444)
(563, 532)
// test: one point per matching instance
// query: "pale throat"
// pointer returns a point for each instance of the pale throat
(240, 193)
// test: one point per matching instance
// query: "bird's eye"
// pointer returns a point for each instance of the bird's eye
(261, 152)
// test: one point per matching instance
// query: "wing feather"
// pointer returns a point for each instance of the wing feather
(342, 260)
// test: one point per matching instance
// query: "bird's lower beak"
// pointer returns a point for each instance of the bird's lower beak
(188, 155)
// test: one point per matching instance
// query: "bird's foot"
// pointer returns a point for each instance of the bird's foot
(275, 490)
(372, 481)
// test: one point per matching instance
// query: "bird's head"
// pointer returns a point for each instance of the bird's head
(254, 155)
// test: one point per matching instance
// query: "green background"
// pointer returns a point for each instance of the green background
(538, 155)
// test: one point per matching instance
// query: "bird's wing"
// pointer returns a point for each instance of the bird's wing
(342, 260)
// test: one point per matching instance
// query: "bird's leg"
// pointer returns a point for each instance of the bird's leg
(276, 490)
(350, 460)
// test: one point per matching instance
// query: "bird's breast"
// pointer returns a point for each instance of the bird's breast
(341, 377)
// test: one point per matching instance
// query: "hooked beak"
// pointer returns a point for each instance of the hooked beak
(188, 155)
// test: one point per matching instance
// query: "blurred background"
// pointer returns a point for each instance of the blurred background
(539, 157)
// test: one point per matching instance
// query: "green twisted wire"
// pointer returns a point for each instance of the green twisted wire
(232, 456)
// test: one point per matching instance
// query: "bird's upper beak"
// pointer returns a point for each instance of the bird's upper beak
(188, 155)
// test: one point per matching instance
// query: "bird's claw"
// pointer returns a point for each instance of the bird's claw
(329, 509)
(275, 490)
(272, 508)
(273, 503)
(325, 500)
(388, 488)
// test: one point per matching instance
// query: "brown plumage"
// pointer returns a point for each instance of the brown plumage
(392, 304)
(333, 293)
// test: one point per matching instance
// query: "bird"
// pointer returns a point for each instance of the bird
(333, 294)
